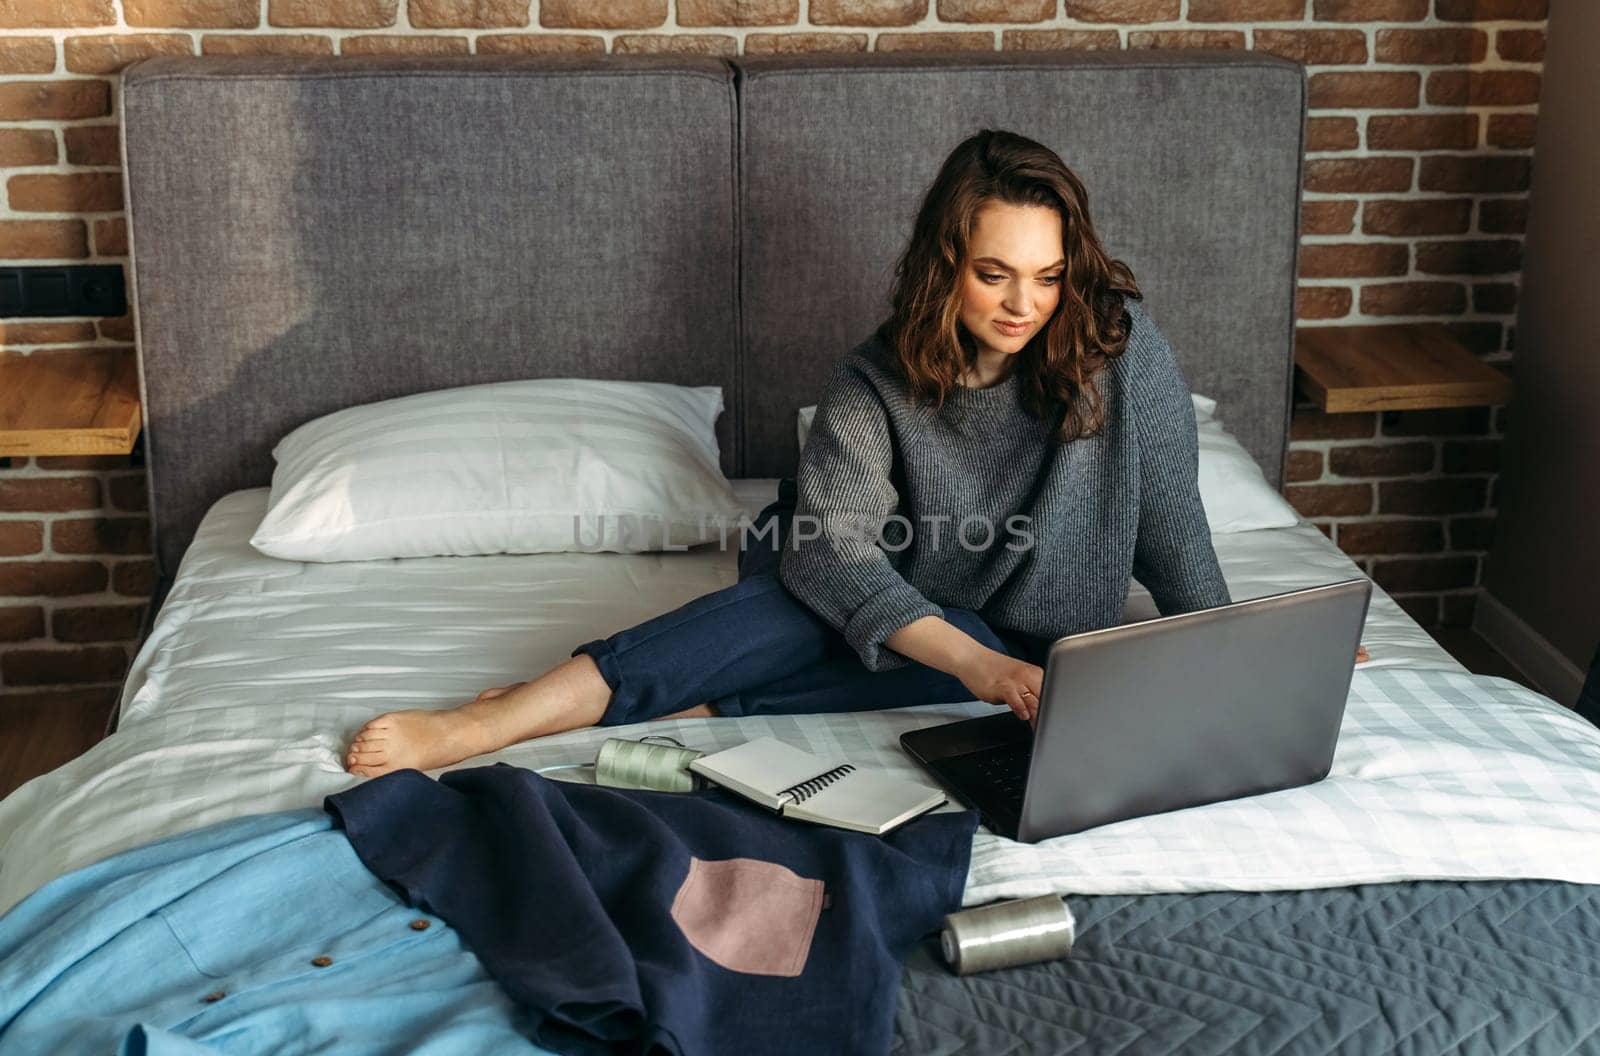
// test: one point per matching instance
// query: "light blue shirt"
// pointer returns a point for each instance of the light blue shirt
(130, 955)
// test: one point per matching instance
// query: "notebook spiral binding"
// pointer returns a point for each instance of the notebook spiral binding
(806, 789)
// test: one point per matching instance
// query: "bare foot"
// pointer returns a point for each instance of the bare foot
(419, 739)
(569, 695)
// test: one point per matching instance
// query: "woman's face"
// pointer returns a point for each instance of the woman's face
(1013, 274)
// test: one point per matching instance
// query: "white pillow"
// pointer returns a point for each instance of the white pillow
(1233, 490)
(519, 467)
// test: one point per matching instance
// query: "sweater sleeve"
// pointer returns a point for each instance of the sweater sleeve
(832, 561)
(1173, 556)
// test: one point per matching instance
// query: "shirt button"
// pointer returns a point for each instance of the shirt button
(215, 995)
(322, 962)
(419, 925)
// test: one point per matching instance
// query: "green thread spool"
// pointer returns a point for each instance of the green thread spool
(641, 764)
(1007, 934)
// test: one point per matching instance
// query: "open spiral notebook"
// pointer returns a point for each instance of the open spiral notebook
(824, 790)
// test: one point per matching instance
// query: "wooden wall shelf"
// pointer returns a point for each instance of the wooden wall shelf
(1393, 368)
(80, 402)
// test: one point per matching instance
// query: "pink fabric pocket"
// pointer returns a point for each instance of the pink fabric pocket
(749, 915)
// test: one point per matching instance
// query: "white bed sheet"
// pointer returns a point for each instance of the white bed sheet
(259, 670)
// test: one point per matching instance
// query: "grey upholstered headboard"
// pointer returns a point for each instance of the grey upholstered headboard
(309, 234)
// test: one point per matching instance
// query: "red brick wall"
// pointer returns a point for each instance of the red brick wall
(1422, 123)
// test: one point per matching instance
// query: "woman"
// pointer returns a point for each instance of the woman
(982, 476)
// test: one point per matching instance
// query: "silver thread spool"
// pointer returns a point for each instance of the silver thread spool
(641, 764)
(1007, 934)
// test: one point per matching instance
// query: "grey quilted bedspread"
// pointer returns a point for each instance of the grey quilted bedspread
(1421, 967)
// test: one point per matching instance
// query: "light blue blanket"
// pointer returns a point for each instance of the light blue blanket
(262, 934)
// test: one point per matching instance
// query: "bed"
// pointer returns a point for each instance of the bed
(346, 231)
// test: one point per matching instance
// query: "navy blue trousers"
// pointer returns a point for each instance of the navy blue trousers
(755, 649)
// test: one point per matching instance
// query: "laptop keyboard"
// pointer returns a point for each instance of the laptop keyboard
(1003, 769)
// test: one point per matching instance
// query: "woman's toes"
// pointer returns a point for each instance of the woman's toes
(368, 753)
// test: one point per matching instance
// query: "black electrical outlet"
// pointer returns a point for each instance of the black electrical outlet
(81, 289)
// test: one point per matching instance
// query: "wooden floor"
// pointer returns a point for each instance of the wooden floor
(40, 731)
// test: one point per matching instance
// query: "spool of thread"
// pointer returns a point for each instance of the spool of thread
(641, 764)
(1007, 934)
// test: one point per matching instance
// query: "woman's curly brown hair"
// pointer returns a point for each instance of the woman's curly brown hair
(1058, 366)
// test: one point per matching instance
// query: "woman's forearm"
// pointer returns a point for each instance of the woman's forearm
(992, 676)
(939, 644)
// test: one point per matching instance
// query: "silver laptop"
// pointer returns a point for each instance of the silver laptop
(1162, 714)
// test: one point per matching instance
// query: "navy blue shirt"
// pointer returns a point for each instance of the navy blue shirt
(632, 921)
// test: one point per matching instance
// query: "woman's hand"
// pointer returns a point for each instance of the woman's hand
(1000, 679)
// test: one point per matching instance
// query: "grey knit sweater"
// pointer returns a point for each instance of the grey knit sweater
(897, 503)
